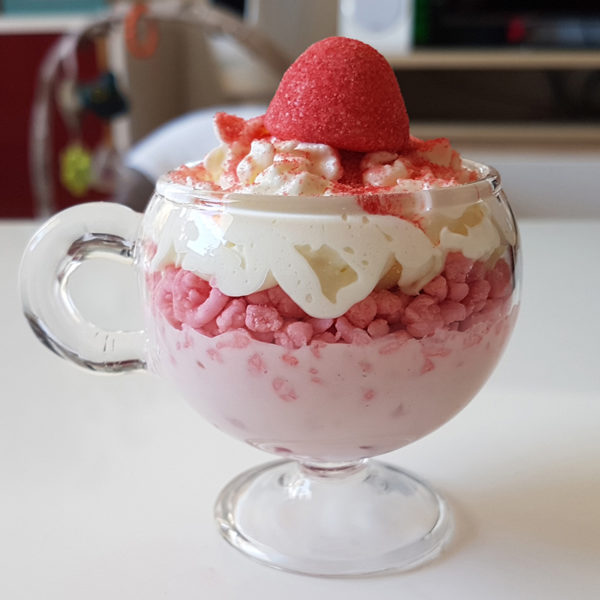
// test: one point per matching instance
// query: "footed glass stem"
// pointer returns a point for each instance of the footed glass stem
(333, 520)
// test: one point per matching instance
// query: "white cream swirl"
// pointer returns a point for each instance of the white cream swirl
(267, 165)
(276, 167)
(325, 263)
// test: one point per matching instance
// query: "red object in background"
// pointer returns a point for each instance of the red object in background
(21, 55)
(516, 31)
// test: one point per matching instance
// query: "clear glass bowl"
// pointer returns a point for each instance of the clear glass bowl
(325, 330)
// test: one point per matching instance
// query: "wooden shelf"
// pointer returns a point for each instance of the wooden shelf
(562, 133)
(496, 58)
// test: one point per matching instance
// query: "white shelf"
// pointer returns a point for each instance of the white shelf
(495, 58)
(48, 23)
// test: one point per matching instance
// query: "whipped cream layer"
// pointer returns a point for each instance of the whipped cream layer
(325, 262)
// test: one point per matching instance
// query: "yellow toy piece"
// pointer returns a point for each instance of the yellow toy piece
(76, 169)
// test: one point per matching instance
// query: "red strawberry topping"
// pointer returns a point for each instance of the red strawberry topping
(343, 93)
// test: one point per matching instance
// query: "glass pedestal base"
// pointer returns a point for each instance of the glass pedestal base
(333, 520)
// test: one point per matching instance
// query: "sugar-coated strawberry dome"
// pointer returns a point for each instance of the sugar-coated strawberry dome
(343, 93)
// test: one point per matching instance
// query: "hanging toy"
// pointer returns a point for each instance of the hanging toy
(140, 47)
(76, 169)
(102, 97)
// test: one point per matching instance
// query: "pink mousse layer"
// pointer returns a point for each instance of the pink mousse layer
(329, 402)
(390, 370)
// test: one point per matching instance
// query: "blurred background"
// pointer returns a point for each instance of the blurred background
(88, 82)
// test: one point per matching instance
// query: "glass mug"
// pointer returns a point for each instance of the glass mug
(324, 330)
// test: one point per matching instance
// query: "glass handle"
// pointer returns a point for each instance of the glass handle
(96, 229)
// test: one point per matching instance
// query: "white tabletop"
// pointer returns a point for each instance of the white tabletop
(107, 482)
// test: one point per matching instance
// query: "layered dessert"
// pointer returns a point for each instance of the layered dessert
(322, 284)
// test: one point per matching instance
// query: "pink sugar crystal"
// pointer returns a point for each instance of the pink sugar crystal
(229, 127)
(422, 308)
(478, 293)
(493, 310)
(378, 328)
(344, 329)
(421, 329)
(262, 319)
(208, 310)
(457, 267)
(195, 302)
(319, 325)
(210, 328)
(351, 334)
(362, 313)
(294, 335)
(390, 306)
(451, 311)
(189, 290)
(437, 287)
(327, 336)
(235, 130)
(233, 315)
(286, 307)
(477, 271)
(457, 291)
(422, 316)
